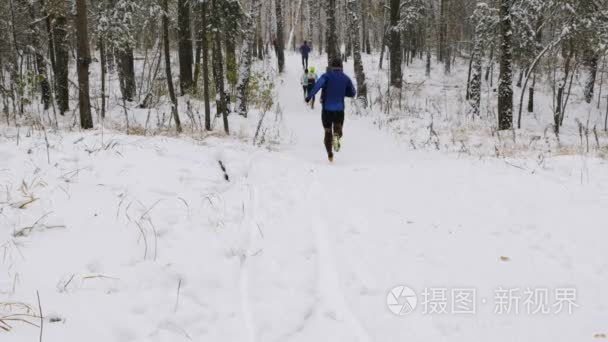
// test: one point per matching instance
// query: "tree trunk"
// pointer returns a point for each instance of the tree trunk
(169, 74)
(231, 67)
(260, 39)
(58, 10)
(447, 63)
(531, 95)
(185, 46)
(333, 51)
(311, 26)
(476, 69)
(84, 59)
(218, 67)
(353, 10)
(427, 68)
(559, 111)
(591, 61)
(198, 50)
(442, 31)
(539, 39)
(45, 88)
(395, 45)
(385, 34)
(102, 65)
(280, 40)
(126, 71)
(505, 86)
(320, 26)
(49, 31)
(246, 58)
(204, 9)
(364, 30)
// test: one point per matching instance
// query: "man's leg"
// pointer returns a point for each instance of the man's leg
(312, 100)
(328, 142)
(326, 118)
(338, 123)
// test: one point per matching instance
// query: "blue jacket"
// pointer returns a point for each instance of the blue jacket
(305, 50)
(336, 85)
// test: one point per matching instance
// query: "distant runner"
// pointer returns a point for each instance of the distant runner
(304, 82)
(336, 86)
(312, 80)
(305, 50)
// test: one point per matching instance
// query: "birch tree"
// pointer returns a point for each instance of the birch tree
(353, 11)
(505, 86)
(247, 51)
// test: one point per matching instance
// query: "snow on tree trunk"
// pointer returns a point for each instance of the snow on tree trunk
(246, 58)
(204, 45)
(45, 87)
(364, 30)
(168, 72)
(218, 65)
(333, 50)
(475, 85)
(505, 86)
(354, 31)
(319, 24)
(484, 23)
(591, 61)
(293, 24)
(311, 27)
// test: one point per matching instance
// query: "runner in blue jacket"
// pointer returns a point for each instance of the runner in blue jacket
(305, 50)
(336, 86)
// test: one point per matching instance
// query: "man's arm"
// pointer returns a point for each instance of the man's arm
(350, 89)
(318, 85)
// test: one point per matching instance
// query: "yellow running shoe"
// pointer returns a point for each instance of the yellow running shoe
(336, 143)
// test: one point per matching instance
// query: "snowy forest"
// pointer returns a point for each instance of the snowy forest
(163, 178)
(86, 59)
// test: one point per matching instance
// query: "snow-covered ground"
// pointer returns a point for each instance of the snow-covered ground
(132, 238)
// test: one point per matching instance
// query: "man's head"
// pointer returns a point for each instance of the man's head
(306, 71)
(305, 43)
(336, 63)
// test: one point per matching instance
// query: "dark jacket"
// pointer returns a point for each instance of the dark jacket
(336, 86)
(305, 50)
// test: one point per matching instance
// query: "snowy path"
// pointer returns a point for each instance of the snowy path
(293, 249)
(382, 216)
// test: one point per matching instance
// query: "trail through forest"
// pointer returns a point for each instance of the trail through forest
(293, 248)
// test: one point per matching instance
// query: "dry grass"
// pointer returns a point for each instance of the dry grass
(12, 313)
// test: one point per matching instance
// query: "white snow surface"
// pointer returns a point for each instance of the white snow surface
(139, 239)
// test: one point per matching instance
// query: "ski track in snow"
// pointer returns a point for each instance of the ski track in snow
(331, 296)
(330, 290)
(244, 272)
